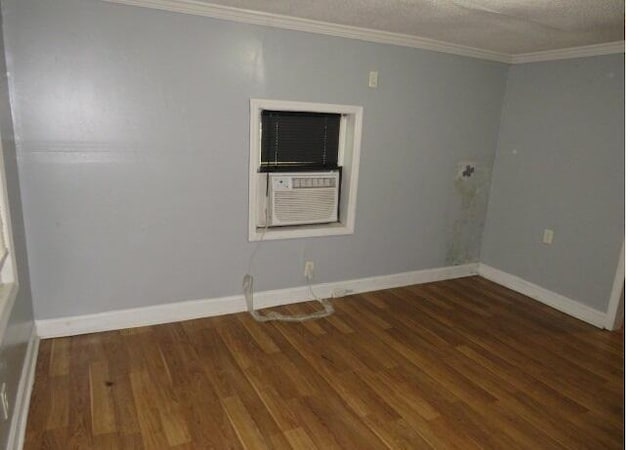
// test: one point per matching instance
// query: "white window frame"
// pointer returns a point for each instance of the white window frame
(348, 159)
(8, 272)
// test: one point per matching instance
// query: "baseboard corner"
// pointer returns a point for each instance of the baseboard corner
(557, 301)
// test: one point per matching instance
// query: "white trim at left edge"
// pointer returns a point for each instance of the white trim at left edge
(23, 396)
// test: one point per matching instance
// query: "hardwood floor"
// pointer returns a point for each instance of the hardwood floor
(456, 364)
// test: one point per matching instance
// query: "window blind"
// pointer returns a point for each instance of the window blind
(293, 140)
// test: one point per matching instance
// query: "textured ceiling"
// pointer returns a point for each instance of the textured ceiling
(506, 26)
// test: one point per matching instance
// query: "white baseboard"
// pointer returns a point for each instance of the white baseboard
(550, 298)
(194, 309)
(23, 396)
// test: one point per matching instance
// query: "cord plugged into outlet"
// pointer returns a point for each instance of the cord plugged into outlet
(247, 287)
(309, 268)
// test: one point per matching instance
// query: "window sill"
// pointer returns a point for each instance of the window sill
(300, 231)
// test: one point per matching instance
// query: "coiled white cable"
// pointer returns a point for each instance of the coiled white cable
(247, 288)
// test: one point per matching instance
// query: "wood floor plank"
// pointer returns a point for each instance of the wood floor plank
(103, 418)
(318, 429)
(58, 416)
(340, 325)
(147, 409)
(259, 335)
(243, 423)
(396, 434)
(299, 439)
(275, 404)
(60, 357)
(85, 350)
(280, 441)
(461, 364)
(344, 425)
(284, 371)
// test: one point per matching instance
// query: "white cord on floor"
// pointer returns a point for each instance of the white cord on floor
(247, 287)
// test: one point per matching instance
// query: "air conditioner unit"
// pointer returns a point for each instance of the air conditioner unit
(303, 198)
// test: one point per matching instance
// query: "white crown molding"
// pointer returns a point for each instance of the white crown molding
(198, 8)
(187, 310)
(549, 298)
(568, 53)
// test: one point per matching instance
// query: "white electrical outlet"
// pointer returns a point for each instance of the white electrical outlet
(4, 401)
(309, 268)
(547, 237)
(373, 79)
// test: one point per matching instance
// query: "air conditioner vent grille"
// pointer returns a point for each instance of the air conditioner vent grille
(305, 205)
(300, 199)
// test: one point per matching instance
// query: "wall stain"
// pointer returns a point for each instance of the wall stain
(471, 184)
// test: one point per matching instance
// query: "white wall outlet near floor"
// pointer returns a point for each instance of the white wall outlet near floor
(4, 401)
(547, 236)
(309, 268)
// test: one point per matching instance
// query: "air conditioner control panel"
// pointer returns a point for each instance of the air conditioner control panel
(285, 183)
(281, 183)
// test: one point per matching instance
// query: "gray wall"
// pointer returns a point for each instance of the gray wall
(133, 152)
(560, 165)
(13, 344)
